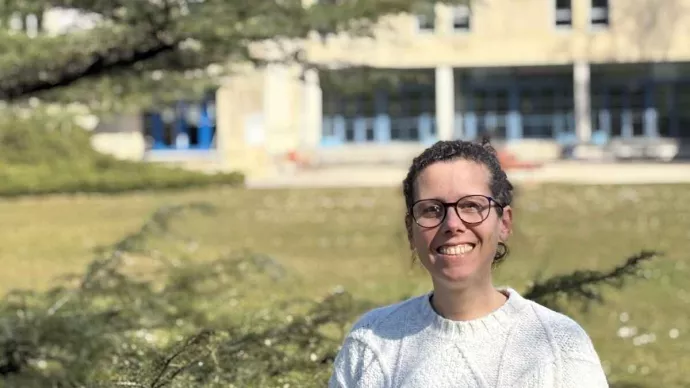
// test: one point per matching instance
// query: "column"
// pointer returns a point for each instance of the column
(583, 117)
(313, 111)
(271, 108)
(281, 102)
(445, 102)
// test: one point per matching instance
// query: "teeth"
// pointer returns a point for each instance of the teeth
(456, 249)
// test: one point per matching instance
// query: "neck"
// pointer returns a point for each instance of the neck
(467, 303)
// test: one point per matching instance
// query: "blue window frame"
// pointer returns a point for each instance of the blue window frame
(672, 107)
(381, 115)
(184, 125)
(509, 105)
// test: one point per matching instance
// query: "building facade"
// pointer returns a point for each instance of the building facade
(536, 75)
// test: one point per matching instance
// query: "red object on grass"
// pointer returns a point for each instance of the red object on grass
(508, 161)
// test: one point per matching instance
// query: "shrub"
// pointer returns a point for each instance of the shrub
(39, 155)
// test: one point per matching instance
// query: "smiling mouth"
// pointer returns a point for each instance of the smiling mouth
(455, 250)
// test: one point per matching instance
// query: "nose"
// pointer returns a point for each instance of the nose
(453, 223)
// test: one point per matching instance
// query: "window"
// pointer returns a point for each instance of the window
(564, 13)
(425, 21)
(461, 18)
(599, 15)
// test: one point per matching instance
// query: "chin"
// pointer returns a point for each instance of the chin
(455, 268)
(455, 275)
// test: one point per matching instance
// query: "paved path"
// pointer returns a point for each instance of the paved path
(562, 172)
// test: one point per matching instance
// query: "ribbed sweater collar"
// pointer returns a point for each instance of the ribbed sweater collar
(500, 320)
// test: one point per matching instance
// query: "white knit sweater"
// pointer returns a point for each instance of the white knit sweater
(520, 345)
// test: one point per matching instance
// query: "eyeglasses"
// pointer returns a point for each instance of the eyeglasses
(472, 209)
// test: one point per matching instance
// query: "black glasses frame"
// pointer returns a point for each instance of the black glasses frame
(454, 205)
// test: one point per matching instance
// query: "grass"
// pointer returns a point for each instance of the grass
(353, 238)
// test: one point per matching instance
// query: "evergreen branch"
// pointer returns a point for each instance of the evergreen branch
(109, 61)
(159, 221)
(189, 345)
(582, 284)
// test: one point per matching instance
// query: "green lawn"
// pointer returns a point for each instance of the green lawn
(354, 238)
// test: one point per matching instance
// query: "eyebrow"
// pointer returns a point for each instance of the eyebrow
(456, 198)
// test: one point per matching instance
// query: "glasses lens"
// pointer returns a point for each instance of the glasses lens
(474, 209)
(428, 213)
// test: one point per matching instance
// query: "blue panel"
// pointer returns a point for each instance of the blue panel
(605, 121)
(205, 129)
(650, 114)
(627, 129)
(158, 131)
(470, 126)
(425, 134)
(599, 138)
(360, 125)
(332, 134)
(382, 128)
(458, 127)
(559, 125)
(514, 124)
(382, 124)
(490, 120)
(650, 123)
(339, 128)
(627, 123)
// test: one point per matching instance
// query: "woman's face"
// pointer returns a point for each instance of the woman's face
(457, 253)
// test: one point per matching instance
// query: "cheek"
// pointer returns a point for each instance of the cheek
(488, 233)
(422, 238)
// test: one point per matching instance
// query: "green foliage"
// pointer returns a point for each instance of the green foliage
(584, 286)
(149, 51)
(42, 154)
(163, 328)
(178, 324)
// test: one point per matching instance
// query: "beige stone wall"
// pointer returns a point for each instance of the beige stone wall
(263, 116)
(238, 101)
(121, 137)
(522, 32)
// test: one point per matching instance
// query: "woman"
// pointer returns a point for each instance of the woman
(466, 332)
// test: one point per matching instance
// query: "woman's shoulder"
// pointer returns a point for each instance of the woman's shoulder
(390, 317)
(564, 332)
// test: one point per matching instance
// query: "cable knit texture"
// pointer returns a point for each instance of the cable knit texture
(520, 345)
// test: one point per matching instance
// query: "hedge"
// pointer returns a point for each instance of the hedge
(59, 158)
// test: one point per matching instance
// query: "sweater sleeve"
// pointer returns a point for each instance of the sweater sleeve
(578, 372)
(357, 366)
(581, 366)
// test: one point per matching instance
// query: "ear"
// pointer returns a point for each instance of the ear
(506, 223)
(408, 228)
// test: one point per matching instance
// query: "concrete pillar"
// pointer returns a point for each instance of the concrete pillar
(313, 110)
(445, 102)
(583, 117)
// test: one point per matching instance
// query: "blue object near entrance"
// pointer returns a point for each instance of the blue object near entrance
(184, 126)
